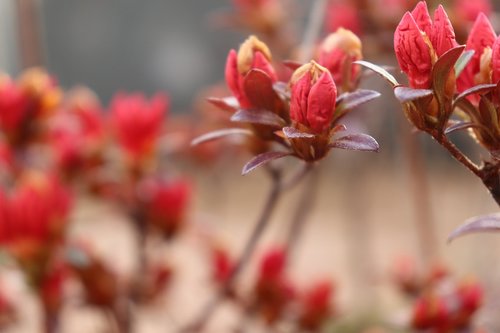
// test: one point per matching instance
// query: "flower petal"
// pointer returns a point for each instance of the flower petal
(442, 35)
(413, 53)
(321, 103)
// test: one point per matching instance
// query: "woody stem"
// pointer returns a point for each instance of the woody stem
(303, 208)
(458, 155)
(200, 321)
(313, 30)
(489, 173)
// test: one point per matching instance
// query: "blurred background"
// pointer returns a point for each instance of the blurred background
(366, 210)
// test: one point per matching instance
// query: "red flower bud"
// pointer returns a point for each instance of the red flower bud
(337, 53)
(429, 312)
(13, 106)
(418, 43)
(470, 296)
(316, 305)
(467, 10)
(480, 40)
(166, 204)
(313, 97)
(222, 265)
(137, 121)
(34, 216)
(495, 61)
(273, 289)
(343, 14)
(253, 54)
(42, 89)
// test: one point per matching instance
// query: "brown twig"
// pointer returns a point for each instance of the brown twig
(458, 155)
(50, 321)
(424, 221)
(303, 208)
(313, 30)
(30, 44)
(209, 309)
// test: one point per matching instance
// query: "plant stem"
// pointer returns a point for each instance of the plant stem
(313, 30)
(489, 173)
(424, 221)
(458, 155)
(50, 321)
(491, 179)
(30, 45)
(200, 321)
(303, 208)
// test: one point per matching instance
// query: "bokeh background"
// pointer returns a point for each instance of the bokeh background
(366, 209)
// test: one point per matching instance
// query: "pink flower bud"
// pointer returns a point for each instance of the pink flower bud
(431, 312)
(338, 50)
(14, 104)
(495, 61)
(467, 10)
(253, 54)
(418, 42)
(343, 14)
(34, 216)
(137, 121)
(480, 40)
(166, 203)
(273, 290)
(316, 307)
(313, 97)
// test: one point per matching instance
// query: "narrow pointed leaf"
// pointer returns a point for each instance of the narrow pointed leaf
(293, 133)
(337, 128)
(281, 88)
(443, 67)
(459, 126)
(405, 94)
(360, 142)
(226, 103)
(260, 92)
(292, 64)
(379, 70)
(463, 61)
(261, 117)
(262, 159)
(479, 89)
(219, 134)
(351, 100)
(477, 224)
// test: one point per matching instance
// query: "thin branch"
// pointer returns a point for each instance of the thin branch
(424, 220)
(313, 30)
(28, 22)
(296, 178)
(458, 155)
(303, 208)
(209, 309)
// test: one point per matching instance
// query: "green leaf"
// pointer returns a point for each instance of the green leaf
(379, 70)
(463, 61)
